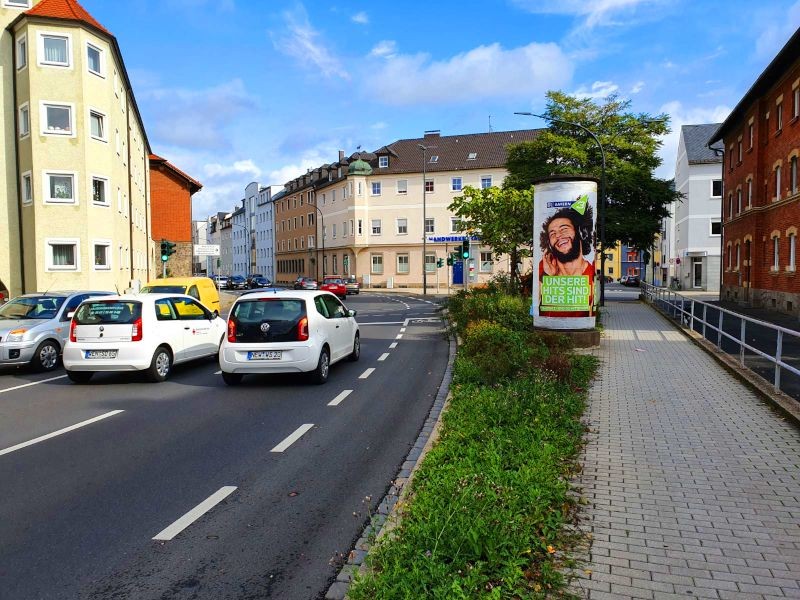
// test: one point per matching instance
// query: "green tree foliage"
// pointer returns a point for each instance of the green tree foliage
(636, 200)
(501, 217)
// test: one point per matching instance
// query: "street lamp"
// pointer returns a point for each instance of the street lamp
(322, 219)
(424, 221)
(602, 196)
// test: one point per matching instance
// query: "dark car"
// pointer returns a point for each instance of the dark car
(258, 281)
(306, 283)
(352, 285)
(630, 280)
(237, 282)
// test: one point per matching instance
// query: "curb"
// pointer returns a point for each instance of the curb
(386, 517)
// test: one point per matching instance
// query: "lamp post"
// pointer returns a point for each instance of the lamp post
(424, 220)
(602, 196)
(322, 219)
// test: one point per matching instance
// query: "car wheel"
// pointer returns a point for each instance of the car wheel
(356, 353)
(46, 356)
(161, 365)
(232, 378)
(320, 374)
(80, 376)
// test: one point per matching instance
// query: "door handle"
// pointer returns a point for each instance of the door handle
(187, 328)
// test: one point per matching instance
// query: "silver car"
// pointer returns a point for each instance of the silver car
(35, 327)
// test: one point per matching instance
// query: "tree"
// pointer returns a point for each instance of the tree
(502, 217)
(636, 201)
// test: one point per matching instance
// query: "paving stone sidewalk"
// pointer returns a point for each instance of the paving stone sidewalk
(693, 483)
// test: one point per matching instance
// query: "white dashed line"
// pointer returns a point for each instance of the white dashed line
(383, 357)
(402, 330)
(59, 432)
(24, 385)
(194, 514)
(217, 372)
(393, 345)
(399, 336)
(366, 373)
(299, 432)
(338, 400)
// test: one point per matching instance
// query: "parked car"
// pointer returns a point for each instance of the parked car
(149, 333)
(236, 282)
(221, 281)
(336, 286)
(34, 327)
(352, 285)
(199, 288)
(255, 282)
(288, 331)
(306, 283)
(630, 280)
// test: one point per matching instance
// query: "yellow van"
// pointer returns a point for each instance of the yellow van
(200, 288)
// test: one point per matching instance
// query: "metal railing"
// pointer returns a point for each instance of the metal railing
(694, 314)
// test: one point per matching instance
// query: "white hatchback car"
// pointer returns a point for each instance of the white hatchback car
(288, 331)
(147, 332)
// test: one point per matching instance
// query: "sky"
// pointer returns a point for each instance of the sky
(234, 91)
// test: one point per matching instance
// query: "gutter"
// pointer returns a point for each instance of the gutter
(14, 76)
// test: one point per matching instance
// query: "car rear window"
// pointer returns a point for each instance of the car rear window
(281, 314)
(164, 289)
(108, 312)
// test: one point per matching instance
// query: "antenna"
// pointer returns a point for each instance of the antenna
(490, 123)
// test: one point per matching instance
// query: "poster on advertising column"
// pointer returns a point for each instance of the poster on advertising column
(564, 292)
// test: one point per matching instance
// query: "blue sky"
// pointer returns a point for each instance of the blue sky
(233, 91)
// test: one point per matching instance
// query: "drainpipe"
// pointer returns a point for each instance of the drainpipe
(16, 161)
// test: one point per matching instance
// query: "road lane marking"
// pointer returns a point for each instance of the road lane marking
(366, 373)
(59, 432)
(402, 330)
(381, 323)
(399, 336)
(217, 372)
(383, 357)
(393, 345)
(299, 432)
(24, 385)
(194, 514)
(338, 400)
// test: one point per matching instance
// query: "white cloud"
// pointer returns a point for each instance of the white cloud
(237, 169)
(595, 13)
(599, 90)
(378, 126)
(288, 172)
(360, 17)
(302, 42)
(384, 49)
(485, 72)
(778, 32)
(679, 115)
(637, 87)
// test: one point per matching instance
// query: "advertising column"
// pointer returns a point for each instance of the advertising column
(564, 293)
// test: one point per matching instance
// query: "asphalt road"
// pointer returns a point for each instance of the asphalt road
(79, 511)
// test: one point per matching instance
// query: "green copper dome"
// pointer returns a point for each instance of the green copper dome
(359, 167)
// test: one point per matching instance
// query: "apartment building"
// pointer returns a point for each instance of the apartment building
(760, 208)
(264, 233)
(295, 229)
(74, 174)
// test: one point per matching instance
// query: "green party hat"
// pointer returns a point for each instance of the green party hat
(579, 206)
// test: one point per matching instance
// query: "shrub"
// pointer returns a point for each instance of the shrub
(486, 305)
(496, 352)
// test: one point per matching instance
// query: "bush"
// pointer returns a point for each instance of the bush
(511, 312)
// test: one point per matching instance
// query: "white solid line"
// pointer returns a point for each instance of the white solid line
(383, 357)
(360, 324)
(59, 432)
(399, 336)
(292, 438)
(392, 345)
(338, 400)
(217, 372)
(24, 385)
(194, 514)
(366, 373)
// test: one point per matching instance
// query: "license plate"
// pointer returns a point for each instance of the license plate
(265, 355)
(101, 354)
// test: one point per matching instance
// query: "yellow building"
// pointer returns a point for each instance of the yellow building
(75, 212)
(613, 262)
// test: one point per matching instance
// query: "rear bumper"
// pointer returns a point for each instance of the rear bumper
(294, 359)
(127, 359)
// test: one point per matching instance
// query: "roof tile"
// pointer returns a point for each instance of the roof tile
(69, 10)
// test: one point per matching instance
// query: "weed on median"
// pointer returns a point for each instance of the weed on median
(488, 506)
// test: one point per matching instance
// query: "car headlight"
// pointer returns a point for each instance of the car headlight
(16, 335)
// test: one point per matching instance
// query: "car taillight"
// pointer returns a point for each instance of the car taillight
(231, 330)
(136, 332)
(72, 326)
(302, 330)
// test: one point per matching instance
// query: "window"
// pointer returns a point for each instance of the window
(402, 186)
(739, 201)
(779, 117)
(749, 193)
(716, 188)
(333, 195)
(430, 263)
(487, 264)
(775, 253)
(730, 206)
(383, 162)
(59, 187)
(793, 174)
(97, 125)
(310, 242)
(62, 254)
(24, 120)
(102, 255)
(486, 182)
(402, 226)
(54, 50)
(403, 265)
(376, 188)
(17, 3)
(27, 188)
(360, 227)
(376, 226)
(22, 52)
(455, 223)
(472, 156)
(796, 102)
(430, 225)
(715, 228)
(429, 185)
(94, 59)
(57, 119)
(777, 183)
(730, 260)
(377, 264)
(455, 184)
(739, 151)
(100, 191)
(750, 135)
(334, 231)
(792, 251)
(738, 256)
(335, 263)
(434, 159)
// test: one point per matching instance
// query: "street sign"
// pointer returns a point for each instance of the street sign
(451, 238)
(206, 249)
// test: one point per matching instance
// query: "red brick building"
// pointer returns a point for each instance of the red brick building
(761, 198)
(171, 193)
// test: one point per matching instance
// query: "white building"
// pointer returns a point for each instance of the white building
(201, 264)
(264, 233)
(240, 236)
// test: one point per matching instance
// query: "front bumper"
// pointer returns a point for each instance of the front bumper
(16, 353)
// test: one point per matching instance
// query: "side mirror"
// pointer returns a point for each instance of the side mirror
(352, 313)
(70, 314)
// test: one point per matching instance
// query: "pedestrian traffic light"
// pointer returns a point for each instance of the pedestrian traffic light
(449, 260)
(439, 262)
(167, 250)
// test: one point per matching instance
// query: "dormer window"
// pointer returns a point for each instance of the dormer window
(472, 156)
(435, 158)
(383, 162)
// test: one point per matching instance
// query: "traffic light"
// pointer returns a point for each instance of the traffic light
(167, 250)
(458, 249)
(450, 260)
(465, 251)
(439, 262)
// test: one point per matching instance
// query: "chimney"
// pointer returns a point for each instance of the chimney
(341, 155)
(432, 133)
